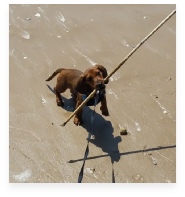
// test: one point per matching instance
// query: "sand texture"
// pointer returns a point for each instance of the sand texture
(141, 95)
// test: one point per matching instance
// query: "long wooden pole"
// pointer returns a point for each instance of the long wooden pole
(142, 42)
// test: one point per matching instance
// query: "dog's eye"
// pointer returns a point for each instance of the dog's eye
(98, 73)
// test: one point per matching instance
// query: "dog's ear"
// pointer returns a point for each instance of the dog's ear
(104, 72)
(81, 85)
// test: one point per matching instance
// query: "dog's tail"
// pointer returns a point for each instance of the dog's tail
(54, 74)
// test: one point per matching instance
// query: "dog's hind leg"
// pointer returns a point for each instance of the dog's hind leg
(59, 100)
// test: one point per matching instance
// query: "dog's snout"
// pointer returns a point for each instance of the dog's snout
(100, 84)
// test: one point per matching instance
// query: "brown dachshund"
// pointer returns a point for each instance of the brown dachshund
(81, 85)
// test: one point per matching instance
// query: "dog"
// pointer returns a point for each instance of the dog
(81, 85)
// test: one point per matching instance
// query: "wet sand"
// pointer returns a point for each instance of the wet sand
(141, 95)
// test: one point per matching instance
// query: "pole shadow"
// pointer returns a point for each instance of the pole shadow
(127, 153)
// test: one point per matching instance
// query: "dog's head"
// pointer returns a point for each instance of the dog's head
(92, 78)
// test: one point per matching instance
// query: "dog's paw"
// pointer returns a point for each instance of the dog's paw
(105, 113)
(77, 121)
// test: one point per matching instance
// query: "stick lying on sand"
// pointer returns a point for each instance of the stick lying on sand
(120, 64)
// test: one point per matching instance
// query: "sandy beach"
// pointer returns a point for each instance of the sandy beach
(141, 95)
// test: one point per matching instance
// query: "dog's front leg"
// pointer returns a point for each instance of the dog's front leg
(103, 107)
(78, 115)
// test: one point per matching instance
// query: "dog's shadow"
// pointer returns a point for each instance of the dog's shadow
(69, 104)
(101, 129)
